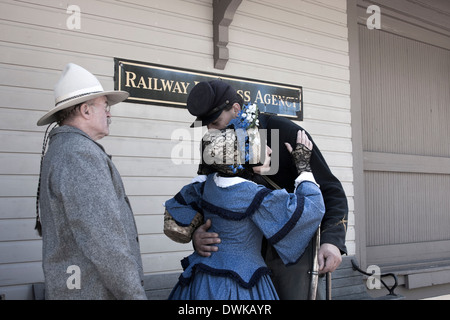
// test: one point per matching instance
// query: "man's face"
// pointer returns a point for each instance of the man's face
(101, 117)
(225, 117)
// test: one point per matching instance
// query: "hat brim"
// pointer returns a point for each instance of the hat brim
(206, 121)
(113, 97)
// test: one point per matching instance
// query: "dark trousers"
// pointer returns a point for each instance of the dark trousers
(293, 282)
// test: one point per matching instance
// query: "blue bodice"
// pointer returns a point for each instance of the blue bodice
(242, 213)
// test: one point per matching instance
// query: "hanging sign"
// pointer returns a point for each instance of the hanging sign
(169, 86)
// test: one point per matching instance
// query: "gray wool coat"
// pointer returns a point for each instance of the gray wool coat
(90, 242)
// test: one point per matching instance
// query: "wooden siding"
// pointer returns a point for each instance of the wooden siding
(295, 42)
(405, 116)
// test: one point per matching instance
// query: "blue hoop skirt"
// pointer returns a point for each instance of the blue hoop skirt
(242, 214)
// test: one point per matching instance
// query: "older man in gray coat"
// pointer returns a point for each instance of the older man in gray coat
(90, 242)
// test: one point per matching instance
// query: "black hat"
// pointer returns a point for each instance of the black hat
(207, 100)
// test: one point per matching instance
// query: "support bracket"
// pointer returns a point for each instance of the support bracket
(223, 14)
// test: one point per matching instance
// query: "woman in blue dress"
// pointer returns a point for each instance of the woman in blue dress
(244, 212)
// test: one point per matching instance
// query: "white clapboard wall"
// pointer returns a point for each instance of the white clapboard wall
(294, 42)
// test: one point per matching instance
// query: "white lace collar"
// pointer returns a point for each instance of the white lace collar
(225, 182)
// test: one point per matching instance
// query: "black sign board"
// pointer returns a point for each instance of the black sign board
(168, 86)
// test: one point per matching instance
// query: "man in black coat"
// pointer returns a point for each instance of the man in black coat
(214, 104)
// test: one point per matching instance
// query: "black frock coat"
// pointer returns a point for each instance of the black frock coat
(334, 223)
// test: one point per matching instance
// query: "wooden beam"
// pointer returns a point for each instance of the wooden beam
(223, 13)
(390, 162)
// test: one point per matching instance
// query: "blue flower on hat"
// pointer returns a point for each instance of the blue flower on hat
(247, 118)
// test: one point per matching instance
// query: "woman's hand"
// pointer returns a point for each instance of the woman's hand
(302, 152)
(303, 139)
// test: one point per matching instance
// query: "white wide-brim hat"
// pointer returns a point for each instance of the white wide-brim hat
(75, 86)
